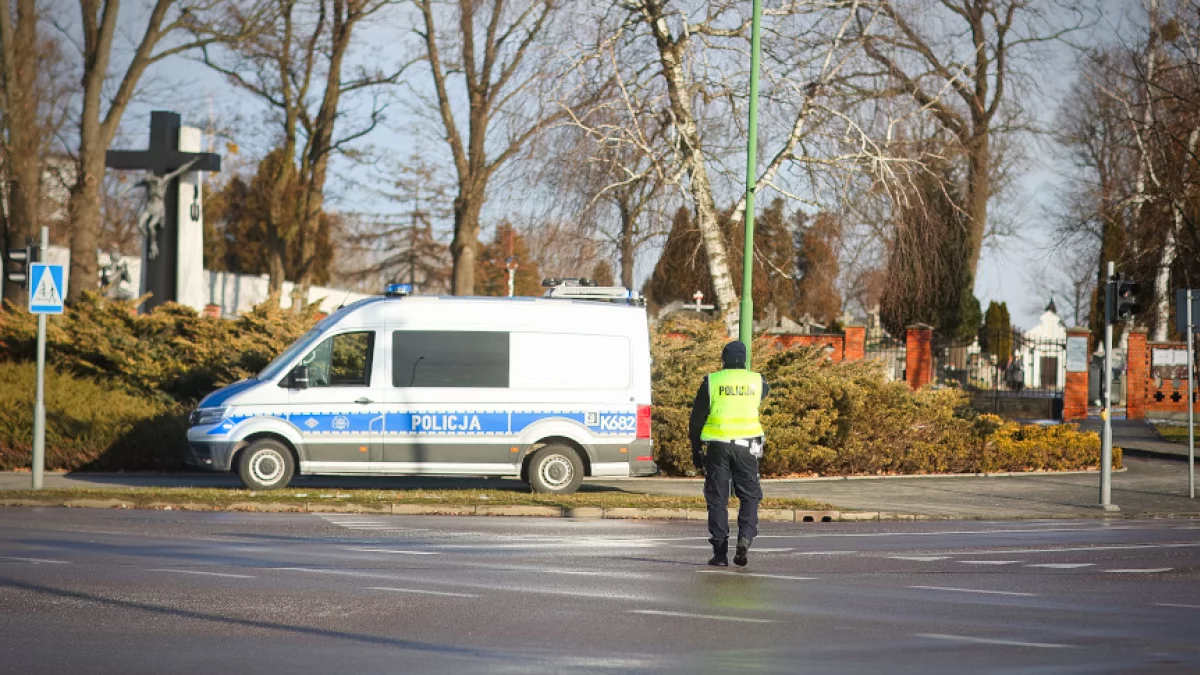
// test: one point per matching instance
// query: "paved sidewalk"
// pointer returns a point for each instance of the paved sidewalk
(1149, 487)
(1138, 436)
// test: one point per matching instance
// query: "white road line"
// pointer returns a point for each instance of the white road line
(1147, 570)
(206, 574)
(36, 561)
(685, 615)
(989, 562)
(919, 558)
(421, 591)
(756, 574)
(1172, 604)
(1124, 547)
(1062, 566)
(975, 590)
(390, 550)
(826, 552)
(946, 532)
(990, 641)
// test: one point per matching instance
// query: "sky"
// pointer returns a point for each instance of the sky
(1008, 271)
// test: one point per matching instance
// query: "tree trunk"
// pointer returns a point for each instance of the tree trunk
(1161, 315)
(84, 211)
(466, 243)
(978, 181)
(24, 156)
(670, 51)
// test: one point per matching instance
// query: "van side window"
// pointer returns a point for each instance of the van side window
(472, 359)
(341, 361)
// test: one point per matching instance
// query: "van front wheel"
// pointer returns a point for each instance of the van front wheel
(555, 469)
(265, 465)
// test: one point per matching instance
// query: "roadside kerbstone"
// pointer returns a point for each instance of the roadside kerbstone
(185, 506)
(697, 514)
(777, 515)
(266, 507)
(622, 513)
(664, 514)
(432, 510)
(584, 512)
(543, 511)
(854, 516)
(344, 507)
(99, 503)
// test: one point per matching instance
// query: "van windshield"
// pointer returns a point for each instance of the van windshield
(275, 368)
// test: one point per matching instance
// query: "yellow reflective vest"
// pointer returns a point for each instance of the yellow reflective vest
(734, 397)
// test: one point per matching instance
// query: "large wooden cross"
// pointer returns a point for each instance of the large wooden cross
(161, 273)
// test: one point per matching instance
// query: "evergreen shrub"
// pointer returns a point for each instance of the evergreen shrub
(833, 419)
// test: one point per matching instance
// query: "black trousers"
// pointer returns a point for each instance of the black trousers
(725, 463)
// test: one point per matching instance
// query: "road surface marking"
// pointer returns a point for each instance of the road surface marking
(422, 591)
(756, 574)
(1172, 604)
(975, 590)
(685, 615)
(1125, 547)
(989, 562)
(206, 574)
(947, 532)
(989, 641)
(1061, 566)
(1148, 570)
(36, 561)
(389, 550)
(919, 558)
(827, 552)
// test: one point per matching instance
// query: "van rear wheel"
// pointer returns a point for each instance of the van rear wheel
(555, 469)
(266, 465)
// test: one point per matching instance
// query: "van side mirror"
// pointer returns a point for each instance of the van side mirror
(300, 377)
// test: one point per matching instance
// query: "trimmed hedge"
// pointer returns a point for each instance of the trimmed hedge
(171, 353)
(122, 384)
(834, 419)
(89, 425)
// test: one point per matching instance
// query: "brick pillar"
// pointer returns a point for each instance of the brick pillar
(918, 356)
(855, 343)
(1137, 375)
(1075, 389)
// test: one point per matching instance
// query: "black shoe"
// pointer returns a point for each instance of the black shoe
(739, 557)
(720, 555)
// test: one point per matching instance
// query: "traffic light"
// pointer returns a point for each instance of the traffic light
(19, 260)
(1124, 298)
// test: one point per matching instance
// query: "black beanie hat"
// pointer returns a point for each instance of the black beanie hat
(734, 355)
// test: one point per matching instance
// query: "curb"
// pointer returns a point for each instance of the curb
(579, 512)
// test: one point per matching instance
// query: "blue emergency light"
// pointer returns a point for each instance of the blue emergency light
(398, 290)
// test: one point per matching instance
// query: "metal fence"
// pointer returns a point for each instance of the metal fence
(890, 353)
(1010, 363)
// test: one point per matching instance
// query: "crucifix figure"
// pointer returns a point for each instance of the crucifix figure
(172, 257)
(154, 210)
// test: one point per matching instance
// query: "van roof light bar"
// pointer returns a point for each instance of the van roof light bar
(593, 292)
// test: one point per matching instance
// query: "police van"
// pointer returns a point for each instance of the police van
(549, 389)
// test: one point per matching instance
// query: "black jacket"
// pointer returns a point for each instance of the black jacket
(700, 413)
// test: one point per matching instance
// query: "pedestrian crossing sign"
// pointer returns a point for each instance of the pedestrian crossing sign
(45, 289)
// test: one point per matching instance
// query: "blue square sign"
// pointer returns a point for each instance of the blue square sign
(45, 289)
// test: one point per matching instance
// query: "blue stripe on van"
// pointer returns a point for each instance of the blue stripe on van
(456, 423)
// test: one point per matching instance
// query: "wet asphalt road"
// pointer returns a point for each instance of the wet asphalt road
(94, 591)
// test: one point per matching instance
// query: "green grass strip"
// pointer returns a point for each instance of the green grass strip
(223, 497)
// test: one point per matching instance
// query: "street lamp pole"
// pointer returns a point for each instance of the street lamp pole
(746, 320)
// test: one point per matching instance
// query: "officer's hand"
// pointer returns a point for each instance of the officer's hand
(698, 462)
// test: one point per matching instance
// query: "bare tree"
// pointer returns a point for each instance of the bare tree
(31, 96)
(208, 21)
(958, 60)
(297, 65)
(491, 60)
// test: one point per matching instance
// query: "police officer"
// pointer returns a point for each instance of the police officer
(725, 417)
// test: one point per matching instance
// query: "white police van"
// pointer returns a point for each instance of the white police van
(549, 389)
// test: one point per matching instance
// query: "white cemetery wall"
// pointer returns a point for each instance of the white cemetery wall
(233, 293)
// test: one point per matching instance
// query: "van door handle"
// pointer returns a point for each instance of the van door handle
(364, 400)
